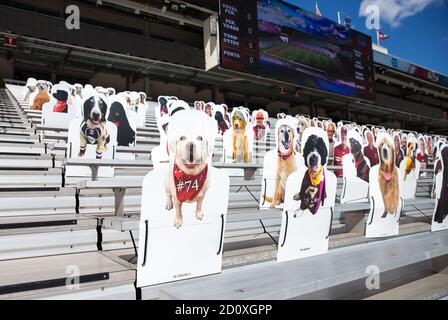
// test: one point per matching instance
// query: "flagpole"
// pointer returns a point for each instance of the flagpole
(339, 17)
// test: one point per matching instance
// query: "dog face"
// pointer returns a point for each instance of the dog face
(315, 152)
(387, 155)
(238, 123)
(191, 140)
(285, 136)
(95, 109)
(355, 147)
(42, 86)
(117, 114)
(411, 149)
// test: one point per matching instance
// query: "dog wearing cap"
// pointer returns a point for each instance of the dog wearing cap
(240, 142)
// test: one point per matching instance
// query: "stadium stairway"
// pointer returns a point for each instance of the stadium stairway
(51, 221)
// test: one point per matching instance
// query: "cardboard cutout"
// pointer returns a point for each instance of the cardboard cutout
(340, 150)
(439, 219)
(29, 89)
(238, 140)
(309, 202)
(410, 170)
(126, 125)
(142, 110)
(356, 169)
(260, 125)
(386, 204)
(219, 115)
(279, 163)
(58, 111)
(184, 206)
(40, 95)
(91, 137)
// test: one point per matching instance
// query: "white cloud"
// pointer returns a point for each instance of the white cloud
(394, 12)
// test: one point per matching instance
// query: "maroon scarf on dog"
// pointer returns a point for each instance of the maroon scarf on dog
(188, 187)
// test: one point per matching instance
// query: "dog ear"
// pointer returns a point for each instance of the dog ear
(323, 151)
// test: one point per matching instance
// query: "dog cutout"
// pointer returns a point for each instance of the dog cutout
(238, 142)
(388, 177)
(313, 193)
(192, 247)
(260, 126)
(409, 170)
(60, 110)
(439, 220)
(301, 126)
(126, 131)
(385, 200)
(41, 95)
(93, 130)
(309, 201)
(411, 156)
(356, 171)
(29, 89)
(191, 141)
(279, 163)
(219, 116)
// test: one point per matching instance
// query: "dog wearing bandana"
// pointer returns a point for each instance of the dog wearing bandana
(191, 135)
(313, 191)
(285, 131)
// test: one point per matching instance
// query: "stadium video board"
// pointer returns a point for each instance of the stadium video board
(276, 40)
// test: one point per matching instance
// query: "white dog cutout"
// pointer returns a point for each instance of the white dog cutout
(186, 243)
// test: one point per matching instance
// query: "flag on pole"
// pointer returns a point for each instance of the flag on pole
(318, 11)
(383, 36)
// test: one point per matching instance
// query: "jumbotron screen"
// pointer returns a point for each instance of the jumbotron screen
(276, 40)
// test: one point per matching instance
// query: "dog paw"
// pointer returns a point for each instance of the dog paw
(178, 222)
(199, 215)
(169, 204)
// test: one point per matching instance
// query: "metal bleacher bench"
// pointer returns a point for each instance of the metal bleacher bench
(248, 168)
(119, 185)
(289, 280)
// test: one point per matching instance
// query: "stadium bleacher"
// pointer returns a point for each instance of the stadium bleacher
(62, 225)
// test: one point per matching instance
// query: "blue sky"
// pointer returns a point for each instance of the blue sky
(418, 29)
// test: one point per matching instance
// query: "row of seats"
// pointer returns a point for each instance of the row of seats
(58, 222)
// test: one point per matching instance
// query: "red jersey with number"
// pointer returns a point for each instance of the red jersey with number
(339, 152)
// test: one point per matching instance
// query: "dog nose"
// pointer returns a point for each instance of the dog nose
(190, 148)
(286, 136)
(313, 160)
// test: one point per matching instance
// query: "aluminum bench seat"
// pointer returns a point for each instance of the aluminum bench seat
(26, 163)
(16, 180)
(288, 280)
(22, 139)
(24, 149)
(101, 277)
(53, 202)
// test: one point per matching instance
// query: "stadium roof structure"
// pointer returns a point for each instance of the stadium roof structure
(400, 95)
